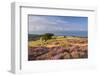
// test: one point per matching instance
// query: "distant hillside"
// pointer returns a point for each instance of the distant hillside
(33, 37)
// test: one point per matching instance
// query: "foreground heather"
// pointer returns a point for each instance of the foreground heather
(65, 48)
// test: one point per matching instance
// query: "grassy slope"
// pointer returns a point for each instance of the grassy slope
(55, 41)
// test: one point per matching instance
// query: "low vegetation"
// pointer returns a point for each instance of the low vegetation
(50, 47)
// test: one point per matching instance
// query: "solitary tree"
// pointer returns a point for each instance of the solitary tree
(47, 36)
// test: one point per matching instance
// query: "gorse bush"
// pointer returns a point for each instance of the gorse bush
(63, 44)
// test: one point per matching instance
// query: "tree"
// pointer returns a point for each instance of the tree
(47, 36)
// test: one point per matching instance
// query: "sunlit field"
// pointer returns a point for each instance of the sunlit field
(58, 47)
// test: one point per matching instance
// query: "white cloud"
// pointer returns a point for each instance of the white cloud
(45, 24)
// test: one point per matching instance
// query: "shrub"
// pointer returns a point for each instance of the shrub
(63, 45)
(47, 36)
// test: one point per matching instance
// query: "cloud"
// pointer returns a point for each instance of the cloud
(41, 24)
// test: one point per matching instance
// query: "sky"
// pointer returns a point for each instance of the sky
(39, 24)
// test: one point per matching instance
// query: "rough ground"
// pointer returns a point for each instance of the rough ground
(60, 49)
